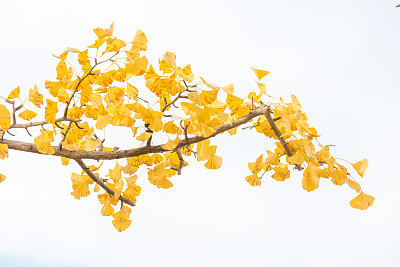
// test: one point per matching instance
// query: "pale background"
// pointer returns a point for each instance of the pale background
(340, 58)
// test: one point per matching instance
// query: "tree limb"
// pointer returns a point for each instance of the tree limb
(100, 182)
(110, 155)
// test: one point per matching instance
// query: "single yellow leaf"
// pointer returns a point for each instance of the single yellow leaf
(131, 91)
(310, 180)
(228, 89)
(35, 97)
(281, 174)
(296, 103)
(210, 85)
(131, 192)
(262, 88)
(362, 201)
(3, 151)
(107, 210)
(80, 185)
(90, 145)
(65, 161)
(353, 184)
(14, 93)
(44, 147)
(102, 121)
(27, 115)
(2, 177)
(118, 186)
(206, 97)
(171, 144)
(140, 41)
(253, 180)
(50, 111)
(213, 163)
(96, 100)
(5, 118)
(260, 73)
(96, 188)
(61, 69)
(121, 224)
(297, 158)
(361, 166)
(144, 136)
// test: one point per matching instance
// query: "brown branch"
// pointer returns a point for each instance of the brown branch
(64, 135)
(40, 123)
(173, 101)
(279, 135)
(100, 182)
(110, 155)
(181, 161)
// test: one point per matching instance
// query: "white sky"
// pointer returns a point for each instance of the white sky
(341, 59)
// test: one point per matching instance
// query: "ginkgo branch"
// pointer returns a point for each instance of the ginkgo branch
(40, 123)
(279, 135)
(173, 101)
(101, 183)
(181, 161)
(110, 155)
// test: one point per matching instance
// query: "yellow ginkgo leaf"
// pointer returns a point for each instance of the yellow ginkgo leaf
(171, 128)
(50, 111)
(256, 167)
(121, 224)
(3, 151)
(260, 73)
(297, 158)
(296, 103)
(213, 163)
(90, 145)
(228, 89)
(102, 33)
(140, 40)
(61, 69)
(361, 166)
(132, 192)
(118, 186)
(35, 97)
(96, 100)
(131, 91)
(170, 58)
(281, 174)
(107, 210)
(206, 97)
(362, 201)
(171, 144)
(262, 87)
(272, 159)
(102, 121)
(96, 188)
(353, 184)
(27, 115)
(14, 93)
(210, 85)
(65, 161)
(44, 147)
(5, 118)
(80, 185)
(2, 177)
(310, 180)
(253, 180)
(144, 136)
